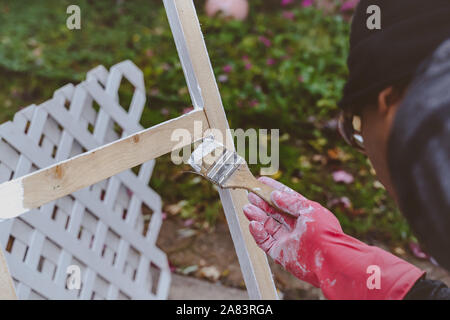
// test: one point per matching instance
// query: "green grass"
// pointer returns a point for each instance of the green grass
(293, 85)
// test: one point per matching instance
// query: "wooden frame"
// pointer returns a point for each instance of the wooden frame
(204, 93)
(7, 291)
(64, 178)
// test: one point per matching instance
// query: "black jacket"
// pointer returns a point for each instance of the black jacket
(419, 163)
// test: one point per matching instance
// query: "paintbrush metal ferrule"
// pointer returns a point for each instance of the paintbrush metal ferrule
(222, 168)
(227, 169)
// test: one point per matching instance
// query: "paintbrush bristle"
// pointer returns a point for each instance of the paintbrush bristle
(212, 160)
(207, 147)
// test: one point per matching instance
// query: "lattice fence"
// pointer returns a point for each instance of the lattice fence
(109, 229)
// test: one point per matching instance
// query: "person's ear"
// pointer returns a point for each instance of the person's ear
(387, 101)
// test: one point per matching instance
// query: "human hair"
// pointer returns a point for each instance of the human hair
(398, 92)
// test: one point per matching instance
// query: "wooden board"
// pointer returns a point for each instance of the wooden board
(6, 284)
(203, 87)
(61, 179)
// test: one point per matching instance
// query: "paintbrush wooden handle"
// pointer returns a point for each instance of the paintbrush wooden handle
(261, 189)
(242, 178)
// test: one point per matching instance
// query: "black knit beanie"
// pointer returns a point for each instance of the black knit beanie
(410, 31)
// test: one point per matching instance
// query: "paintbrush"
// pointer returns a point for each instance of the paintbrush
(226, 169)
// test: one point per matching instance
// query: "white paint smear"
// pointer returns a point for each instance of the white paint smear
(11, 199)
(208, 146)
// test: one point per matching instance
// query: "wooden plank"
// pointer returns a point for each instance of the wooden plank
(6, 284)
(31, 191)
(194, 57)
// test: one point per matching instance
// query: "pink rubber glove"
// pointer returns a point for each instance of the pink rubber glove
(312, 246)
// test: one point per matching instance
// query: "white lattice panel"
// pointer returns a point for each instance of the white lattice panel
(109, 229)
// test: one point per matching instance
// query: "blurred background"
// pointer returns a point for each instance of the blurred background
(280, 64)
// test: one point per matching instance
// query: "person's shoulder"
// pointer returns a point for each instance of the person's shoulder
(427, 100)
(419, 153)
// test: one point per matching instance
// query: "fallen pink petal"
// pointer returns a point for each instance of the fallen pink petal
(187, 110)
(188, 222)
(288, 15)
(265, 41)
(342, 176)
(349, 5)
(270, 62)
(165, 111)
(253, 103)
(286, 2)
(222, 78)
(417, 251)
(342, 201)
(228, 68)
(307, 3)
(237, 9)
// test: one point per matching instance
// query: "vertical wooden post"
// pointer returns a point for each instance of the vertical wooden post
(204, 91)
(7, 291)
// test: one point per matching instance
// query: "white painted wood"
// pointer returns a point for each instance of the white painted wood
(197, 68)
(85, 228)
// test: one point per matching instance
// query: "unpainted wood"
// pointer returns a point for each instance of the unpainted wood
(242, 178)
(7, 291)
(91, 167)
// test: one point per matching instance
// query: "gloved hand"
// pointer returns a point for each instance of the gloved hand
(311, 245)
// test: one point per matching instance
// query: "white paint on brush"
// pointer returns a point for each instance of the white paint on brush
(206, 147)
(11, 199)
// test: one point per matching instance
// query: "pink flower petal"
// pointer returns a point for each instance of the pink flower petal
(188, 222)
(222, 78)
(286, 2)
(417, 251)
(228, 68)
(187, 110)
(254, 103)
(265, 41)
(349, 5)
(342, 176)
(288, 15)
(237, 9)
(342, 201)
(307, 3)
(270, 62)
